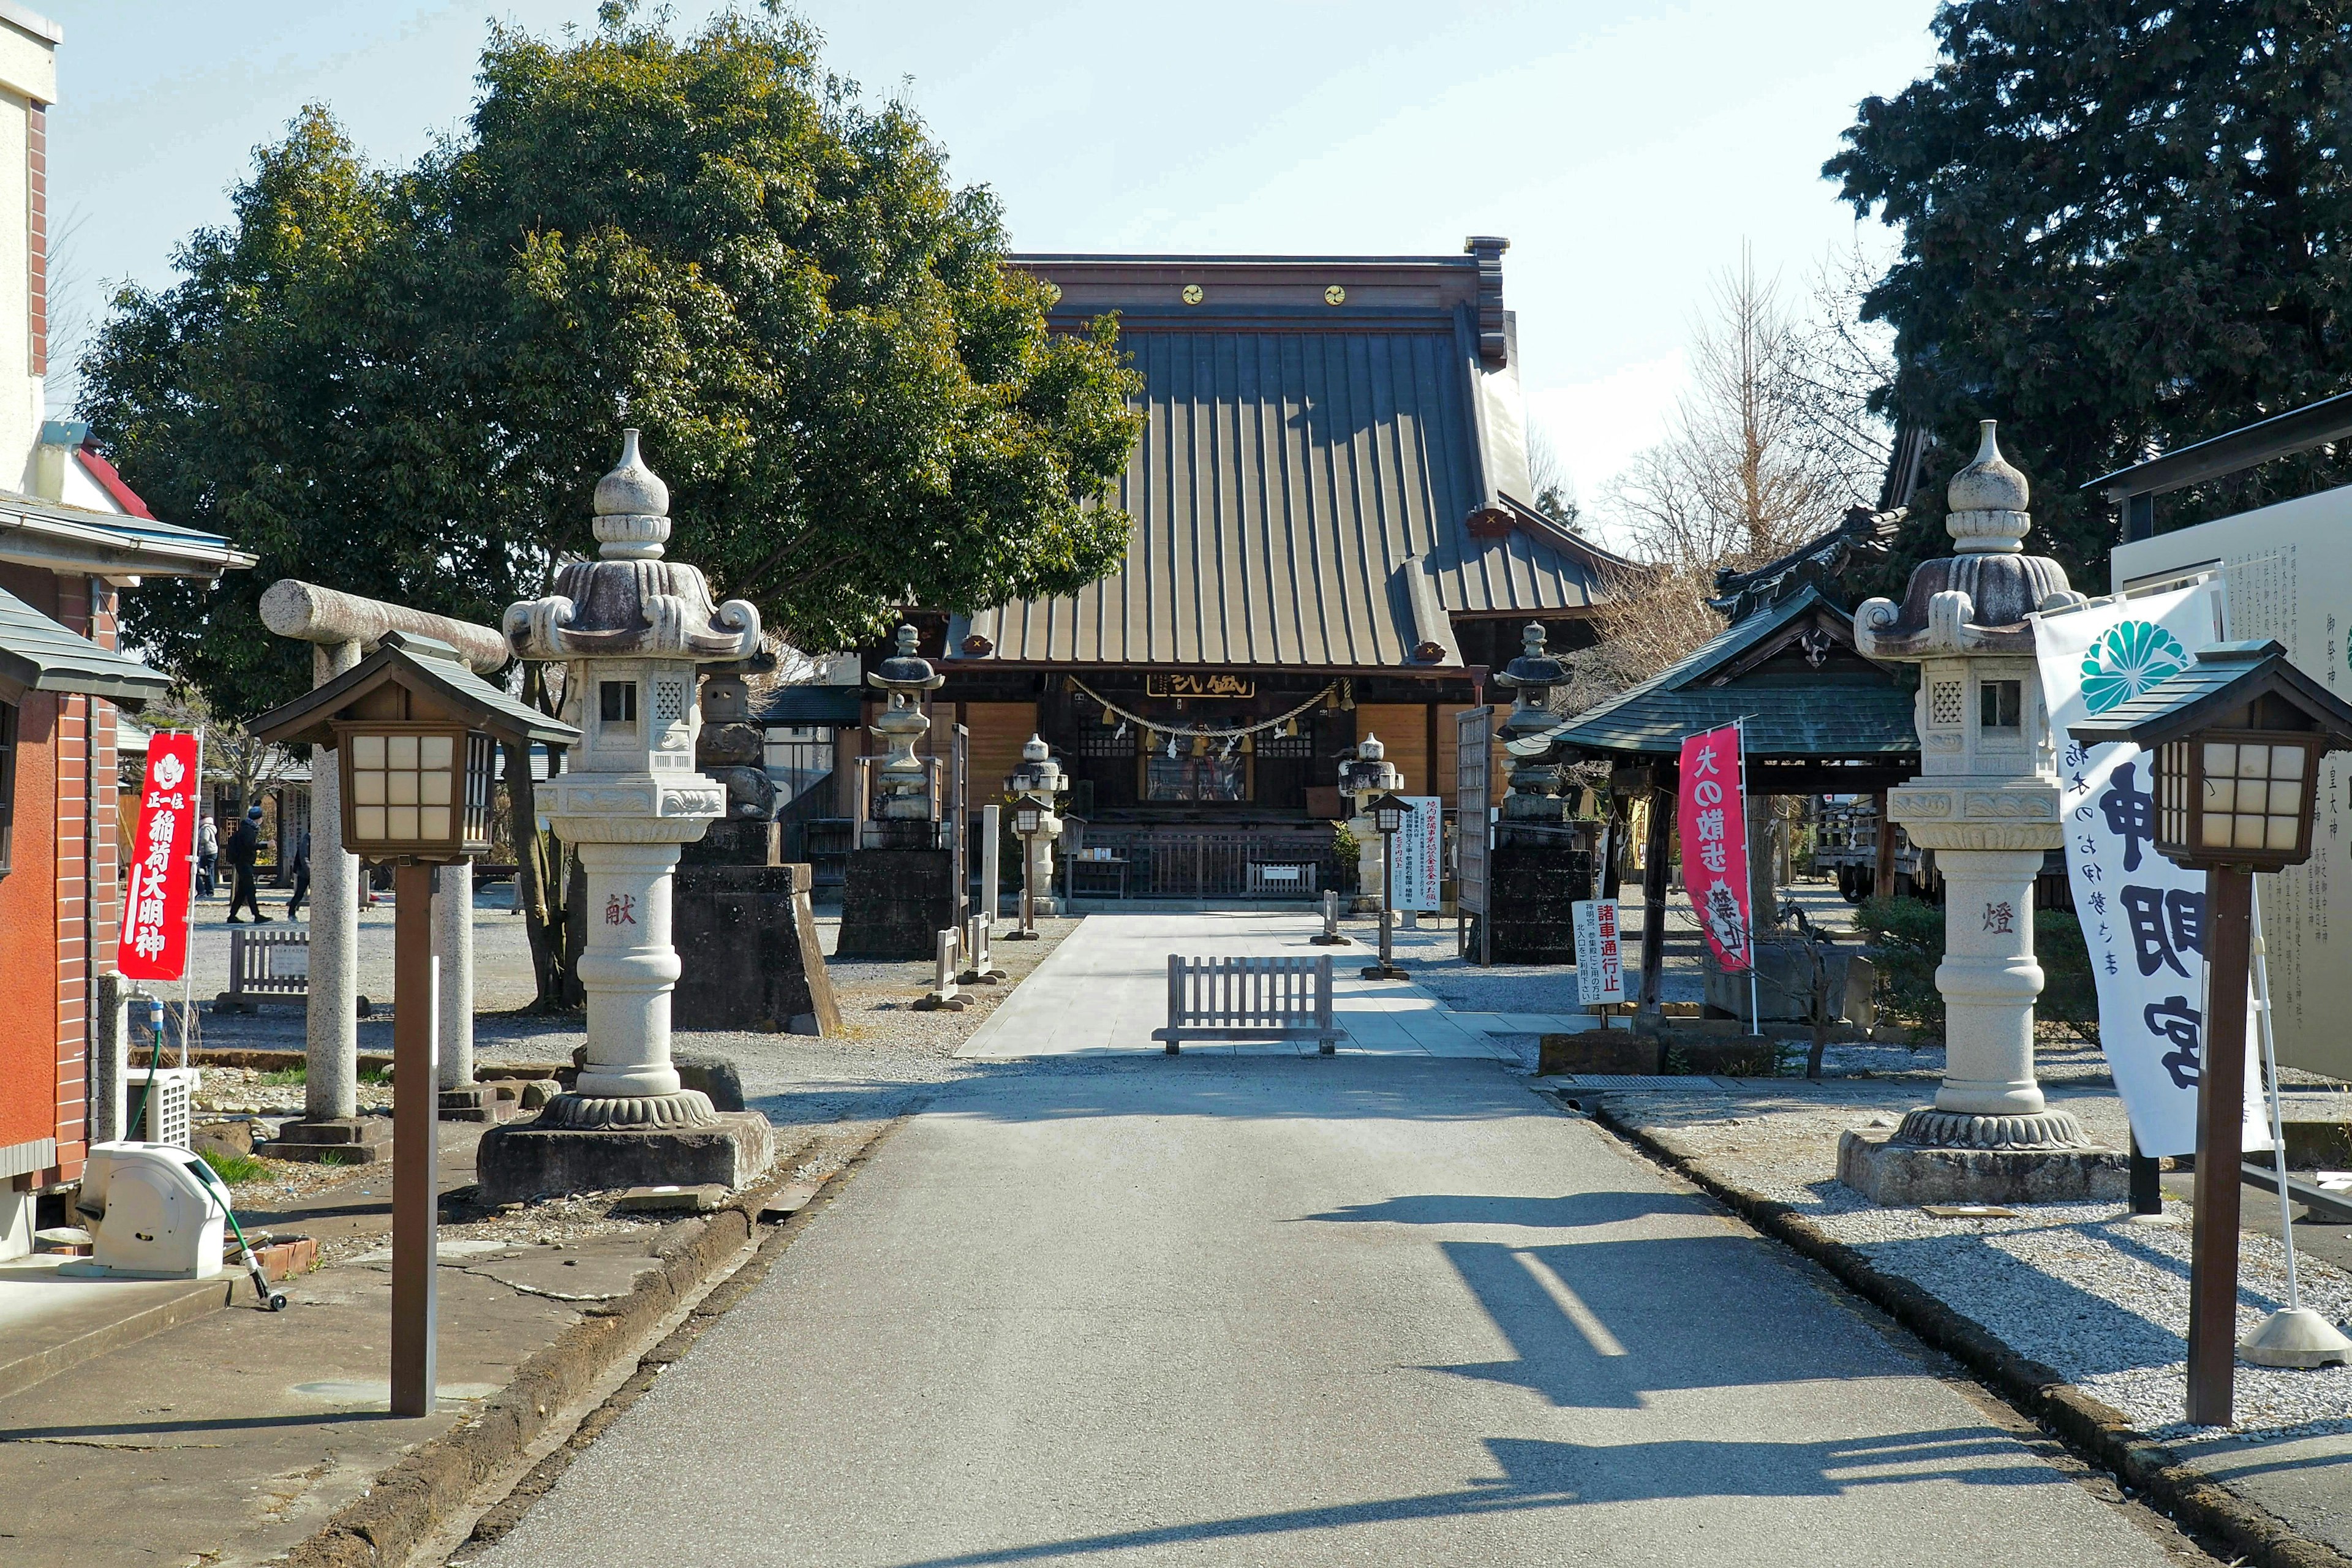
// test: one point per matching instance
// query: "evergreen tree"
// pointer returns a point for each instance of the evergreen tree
(2124, 230)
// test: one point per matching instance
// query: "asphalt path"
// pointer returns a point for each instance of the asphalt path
(1266, 1309)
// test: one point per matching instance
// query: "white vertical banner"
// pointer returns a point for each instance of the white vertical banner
(1418, 856)
(2143, 917)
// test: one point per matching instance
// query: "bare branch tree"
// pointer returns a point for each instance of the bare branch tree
(1547, 473)
(1774, 440)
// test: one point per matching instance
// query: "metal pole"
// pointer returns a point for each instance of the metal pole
(417, 1103)
(2221, 1122)
(2147, 1182)
(992, 834)
(188, 969)
(1747, 879)
(2271, 1078)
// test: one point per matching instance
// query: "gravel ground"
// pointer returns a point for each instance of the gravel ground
(2101, 1299)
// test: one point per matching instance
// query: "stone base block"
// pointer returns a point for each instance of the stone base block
(748, 952)
(895, 902)
(1901, 1175)
(342, 1140)
(524, 1159)
(476, 1102)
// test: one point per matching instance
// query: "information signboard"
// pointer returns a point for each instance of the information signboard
(1600, 960)
(1418, 856)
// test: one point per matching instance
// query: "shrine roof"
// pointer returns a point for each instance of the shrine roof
(1825, 704)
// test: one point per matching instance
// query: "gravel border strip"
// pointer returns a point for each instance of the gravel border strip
(412, 1503)
(2091, 1424)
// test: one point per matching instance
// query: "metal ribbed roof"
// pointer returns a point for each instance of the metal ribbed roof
(36, 654)
(1297, 471)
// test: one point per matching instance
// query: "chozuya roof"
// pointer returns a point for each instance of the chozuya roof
(631, 601)
(416, 662)
(1333, 466)
(1788, 671)
(36, 654)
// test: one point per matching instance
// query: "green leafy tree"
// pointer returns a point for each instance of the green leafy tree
(2123, 228)
(406, 383)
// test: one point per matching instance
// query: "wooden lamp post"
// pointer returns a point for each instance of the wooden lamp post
(1389, 814)
(2236, 739)
(416, 735)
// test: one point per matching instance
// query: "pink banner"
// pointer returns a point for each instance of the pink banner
(1712, 815)
(154, 938)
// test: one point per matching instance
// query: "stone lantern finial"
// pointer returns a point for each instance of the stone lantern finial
(1986, 502)
(1034, 750)
(632, 507)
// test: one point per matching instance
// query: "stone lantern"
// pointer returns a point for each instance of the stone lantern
(901, 888)
(631, 629)
(1535, 780)
(1037, 786)
(902, 791)
(1365, 774)
(1987, 803)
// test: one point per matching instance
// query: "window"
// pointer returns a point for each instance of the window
(617, 702)
(798, 757)
(2000, 704)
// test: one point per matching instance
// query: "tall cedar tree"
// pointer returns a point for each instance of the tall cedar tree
(405, 384)
(2124, 229)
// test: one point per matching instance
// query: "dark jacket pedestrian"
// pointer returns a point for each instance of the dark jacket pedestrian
(243, 848)
(301, 873)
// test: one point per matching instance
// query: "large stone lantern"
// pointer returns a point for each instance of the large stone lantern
(1365, 775)
(1536, 778)
(1037, 786)
(902, 792)
(1987, 803)
(632, 629)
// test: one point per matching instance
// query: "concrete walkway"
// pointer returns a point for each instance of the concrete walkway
(1105, 989)
(1385, 1309)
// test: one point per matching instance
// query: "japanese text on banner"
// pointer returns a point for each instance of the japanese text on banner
(1712, 813)
(155, 935)
(2143, 917)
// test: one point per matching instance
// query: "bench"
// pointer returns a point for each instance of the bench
(1249, 999)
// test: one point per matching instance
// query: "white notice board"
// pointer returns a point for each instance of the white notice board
(1600, 960)
(1418, 856)
(2286, 573)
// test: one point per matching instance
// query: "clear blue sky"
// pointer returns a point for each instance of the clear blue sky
(1626, 149)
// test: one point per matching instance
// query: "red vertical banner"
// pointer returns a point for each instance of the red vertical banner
(1712, 813)
(155, 944)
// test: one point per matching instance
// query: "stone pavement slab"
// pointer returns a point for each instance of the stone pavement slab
(1107, 990)
(1214, 1311)
(50, 1321)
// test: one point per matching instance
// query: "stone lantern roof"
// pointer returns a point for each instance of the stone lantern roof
(630, 603)
(906, 670)
(1976, 599)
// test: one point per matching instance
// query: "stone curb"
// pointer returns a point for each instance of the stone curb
(437, 1479)
(2091, 1425)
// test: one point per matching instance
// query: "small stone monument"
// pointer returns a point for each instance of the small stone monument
(900, 891)
(1541, 863)
(1987, 803)
(633, 628)
(746, 937)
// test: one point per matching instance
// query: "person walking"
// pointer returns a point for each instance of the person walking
(208, 856)
(301, 873)
(244, 848)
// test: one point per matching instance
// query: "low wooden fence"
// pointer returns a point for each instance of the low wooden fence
(1249, 999)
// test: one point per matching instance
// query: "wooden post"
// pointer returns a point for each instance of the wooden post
(2220, 1147)
(1653, 901)
(416, 1104)
(1882, 883)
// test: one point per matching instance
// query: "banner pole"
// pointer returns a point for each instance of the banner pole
(1748, 874)
(188, 968)
(2278, 1130)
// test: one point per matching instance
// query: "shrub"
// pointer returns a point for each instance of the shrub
(1906, 941)
(235, 1168)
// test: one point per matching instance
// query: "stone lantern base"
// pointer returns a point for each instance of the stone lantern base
(896, 901)
(539, 1158)
(1950, 1157)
